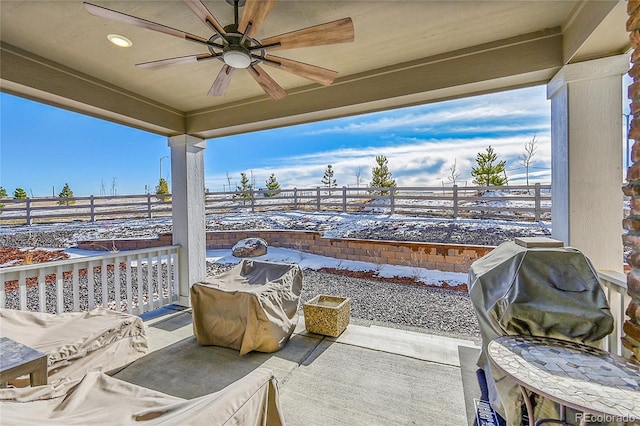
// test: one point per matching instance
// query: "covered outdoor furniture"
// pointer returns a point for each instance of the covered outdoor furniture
(102, 400)
(252, 307)
(545, 292)
(77, 342)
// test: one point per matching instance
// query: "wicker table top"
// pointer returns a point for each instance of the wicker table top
(574, 375)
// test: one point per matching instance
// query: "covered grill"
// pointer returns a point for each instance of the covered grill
(534, 287)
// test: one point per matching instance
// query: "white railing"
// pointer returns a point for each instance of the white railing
(615, 288)
(133, 281)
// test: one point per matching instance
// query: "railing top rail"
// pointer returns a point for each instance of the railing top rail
(66, 262)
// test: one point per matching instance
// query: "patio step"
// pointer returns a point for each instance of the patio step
(425, 347)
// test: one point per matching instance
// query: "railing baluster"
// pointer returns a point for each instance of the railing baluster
(59, 290)
(159, 276)
(129, 279)
(22, 288)
(91, 285)
(3, 294)
(42, 291)
(116, 283)
(103, 284)
(76, 287)
(149, 282)
(140, 288)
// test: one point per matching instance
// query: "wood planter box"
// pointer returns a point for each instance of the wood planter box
(327, 315)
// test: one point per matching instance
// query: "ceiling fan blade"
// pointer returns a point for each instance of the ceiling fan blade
(311, 72)
(205, 15)
(253, 15)
(221, 82)
(268, 84)
(340, 31)
(163, 63)
(114, 15)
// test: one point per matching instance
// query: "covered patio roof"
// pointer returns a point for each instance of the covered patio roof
(404, 53)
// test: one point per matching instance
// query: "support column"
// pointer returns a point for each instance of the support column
(187, 191)
(586, 158)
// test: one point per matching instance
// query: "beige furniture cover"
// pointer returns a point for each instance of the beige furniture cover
(77, 342)
(102, 400)
(252, 307)
(549, 292)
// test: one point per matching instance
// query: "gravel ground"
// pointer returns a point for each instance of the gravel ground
(410, 307)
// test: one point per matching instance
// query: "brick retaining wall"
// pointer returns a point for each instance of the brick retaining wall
(443, 257)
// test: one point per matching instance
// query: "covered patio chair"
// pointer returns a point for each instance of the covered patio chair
(252, 307)
(103, 400)
(77, 342)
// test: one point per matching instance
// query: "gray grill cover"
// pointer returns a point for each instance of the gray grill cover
(551, 292)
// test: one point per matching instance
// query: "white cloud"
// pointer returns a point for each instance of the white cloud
(411, 162)
(527, 104)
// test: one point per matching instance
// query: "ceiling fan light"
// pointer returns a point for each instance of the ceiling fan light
(236, 59)
(119, 40)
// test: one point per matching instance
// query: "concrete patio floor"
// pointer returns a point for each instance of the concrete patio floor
(367, 376)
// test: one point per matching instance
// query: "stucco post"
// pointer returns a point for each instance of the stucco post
(586, 158)
(187, 191)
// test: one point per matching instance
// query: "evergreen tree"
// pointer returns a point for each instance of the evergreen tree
(66, 193)
(327, 179)
(244, 187)
(20, 194)
(488, 173)
(272, 185)
(381, 176)
(162, 190)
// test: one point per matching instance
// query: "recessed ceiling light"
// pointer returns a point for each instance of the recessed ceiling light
(120, 41)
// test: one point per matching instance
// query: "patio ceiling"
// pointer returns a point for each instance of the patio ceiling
(404, 53)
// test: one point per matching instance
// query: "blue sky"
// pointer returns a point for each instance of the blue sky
(42, 148)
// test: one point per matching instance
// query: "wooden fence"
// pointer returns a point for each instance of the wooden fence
(516, 202)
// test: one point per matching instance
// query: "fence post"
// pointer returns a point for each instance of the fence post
(455, 201)
(28, 211)
(537, 202)
(148, 205)
(318, 198)
(253, 200)
(344, 199)
(392, 193)
(93, 209)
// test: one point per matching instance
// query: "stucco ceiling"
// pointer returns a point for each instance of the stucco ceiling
(405, 52)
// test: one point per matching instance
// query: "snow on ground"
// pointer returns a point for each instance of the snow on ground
(315, 262)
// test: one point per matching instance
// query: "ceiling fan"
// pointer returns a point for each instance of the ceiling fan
(235, 46)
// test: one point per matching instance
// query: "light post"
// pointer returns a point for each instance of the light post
(162, 158)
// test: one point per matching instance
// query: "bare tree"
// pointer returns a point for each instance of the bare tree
(454, 174)
(358, 176)
(526, 159)
(228, 182)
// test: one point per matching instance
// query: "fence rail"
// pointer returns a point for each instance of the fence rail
(523, 202)
(134, 281)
